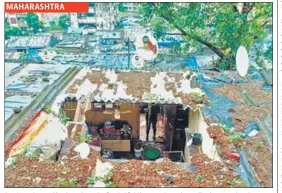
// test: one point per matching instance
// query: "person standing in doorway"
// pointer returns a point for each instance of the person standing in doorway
(151, 119)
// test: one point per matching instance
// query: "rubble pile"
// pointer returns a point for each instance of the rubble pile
(221, 139)
(68, 172)
(253, 88)
(256, 104)
(240, 119)
(263, 98)
(136, 173)
(260, 157)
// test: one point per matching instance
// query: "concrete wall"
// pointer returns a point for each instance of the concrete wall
(197, 124)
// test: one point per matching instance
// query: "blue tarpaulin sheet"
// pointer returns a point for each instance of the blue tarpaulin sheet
(245, 170)
(192, 63)
(266, 87)
(218, 110)
(219, 107)
(254, 74)
(250, 127)
(117, 61)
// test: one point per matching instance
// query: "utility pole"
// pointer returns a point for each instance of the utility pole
(128, 52)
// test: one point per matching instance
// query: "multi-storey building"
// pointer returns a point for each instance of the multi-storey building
(16, 19)
(130, 7)
(100, 16)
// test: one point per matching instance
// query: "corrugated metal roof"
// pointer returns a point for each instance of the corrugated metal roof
(14, 102)
(132, 87)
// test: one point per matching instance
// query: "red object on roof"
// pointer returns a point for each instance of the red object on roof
(235, 156)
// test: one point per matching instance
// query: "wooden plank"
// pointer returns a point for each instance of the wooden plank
(116, 145)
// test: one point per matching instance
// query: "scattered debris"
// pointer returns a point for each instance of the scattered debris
(83, 150)
(11, 162)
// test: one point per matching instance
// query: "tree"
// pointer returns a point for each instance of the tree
(55, 28)
(221, 27)
(121, 8)
(11, 31)
(33, 22)
(64, 21)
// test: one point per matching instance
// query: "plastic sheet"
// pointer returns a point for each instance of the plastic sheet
(219, 107)
(218, 110)
(192, 63)
(266, 87)
(251, 126)
(245, 170)
(254, 74)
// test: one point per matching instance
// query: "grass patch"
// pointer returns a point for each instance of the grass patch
(62, 182)
(238, 183)
(73, 182)
(66, 170)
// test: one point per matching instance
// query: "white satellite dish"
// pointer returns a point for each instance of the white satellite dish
(242, 61)
(137, 62)
(146, 46)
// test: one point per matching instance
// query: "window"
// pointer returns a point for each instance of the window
(109, 106)
(13, 20)
(98, 105)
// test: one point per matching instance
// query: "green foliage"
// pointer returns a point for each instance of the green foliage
(66, 170)
(225, 128)
(30, 155)
(235, 138)
(48, 109)
(12, 31)
(107, 179)
(260, 145)
(55, 27)
(73, 182)
(238, 183)
(89, 139)
(33, 22)
(225, 63)
(198, 97)
(63, 118)
(269, 52)
(209, 24)
(91, 180)
(121, 8)
(62, 182)
(110, 184)
(11, 162)
(158, 169)
(200, 178)
(64, 21)
(82, 138)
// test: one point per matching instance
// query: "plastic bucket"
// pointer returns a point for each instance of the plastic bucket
(151, 153)
(138, 152)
